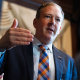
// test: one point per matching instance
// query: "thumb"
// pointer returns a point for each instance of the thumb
(15, 23)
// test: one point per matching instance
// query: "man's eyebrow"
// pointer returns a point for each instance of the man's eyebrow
(48, 13)
(59, 17)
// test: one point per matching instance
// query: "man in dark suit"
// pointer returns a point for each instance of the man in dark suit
(21, 62)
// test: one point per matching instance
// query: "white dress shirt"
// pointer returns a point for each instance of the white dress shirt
(36, 55)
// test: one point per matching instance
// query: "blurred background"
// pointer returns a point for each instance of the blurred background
(25, 10)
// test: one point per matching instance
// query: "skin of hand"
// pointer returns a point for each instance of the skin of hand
(16, 36)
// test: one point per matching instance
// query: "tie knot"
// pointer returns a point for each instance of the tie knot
(43, 48)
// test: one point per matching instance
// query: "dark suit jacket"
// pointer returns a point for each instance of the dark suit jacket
(77, 60)
(18, 64)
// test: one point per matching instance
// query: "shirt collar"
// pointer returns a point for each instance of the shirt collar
(36, 42)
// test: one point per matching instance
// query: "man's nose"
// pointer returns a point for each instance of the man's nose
(53, 20)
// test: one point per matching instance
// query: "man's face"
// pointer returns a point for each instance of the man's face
(49, 23)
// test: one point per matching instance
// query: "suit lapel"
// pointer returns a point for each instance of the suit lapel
(58, 63)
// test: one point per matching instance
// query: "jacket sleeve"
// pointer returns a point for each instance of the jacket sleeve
(1, 57)
(75, 75)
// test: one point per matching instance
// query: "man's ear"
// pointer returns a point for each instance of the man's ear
(35, 22)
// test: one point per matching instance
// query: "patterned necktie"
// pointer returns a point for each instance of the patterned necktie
(43, 68)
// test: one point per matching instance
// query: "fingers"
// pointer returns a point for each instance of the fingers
(20, 30)
(21, 34)
(15, 23)
(20, 40)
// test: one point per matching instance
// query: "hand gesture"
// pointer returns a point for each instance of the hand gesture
(16, 36)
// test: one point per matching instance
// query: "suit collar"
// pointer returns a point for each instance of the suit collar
(36, 42)
(58, 59)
